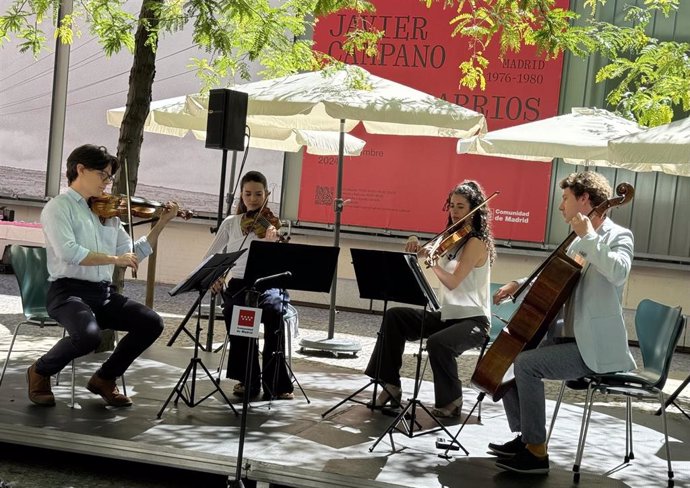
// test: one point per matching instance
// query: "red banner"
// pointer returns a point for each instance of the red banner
(401, 183)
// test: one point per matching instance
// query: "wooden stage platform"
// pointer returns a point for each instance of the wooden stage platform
(289, 443)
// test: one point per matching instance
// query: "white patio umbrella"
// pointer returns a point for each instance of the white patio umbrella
(665, 148)
(179, 116)
(320, 101)
(580, 137)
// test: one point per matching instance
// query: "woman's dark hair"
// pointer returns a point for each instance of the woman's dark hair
(254, 176)
(92, 157)
(473, 192)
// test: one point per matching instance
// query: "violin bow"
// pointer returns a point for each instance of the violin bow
(462, 220)
(129, 211)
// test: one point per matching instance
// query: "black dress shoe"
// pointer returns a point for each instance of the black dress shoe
(509, 449)
(525, 462)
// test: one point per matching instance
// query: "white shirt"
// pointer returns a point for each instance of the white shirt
(472, 297)
(72, 230)
(229, 238)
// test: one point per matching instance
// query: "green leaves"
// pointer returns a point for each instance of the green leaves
(653, 77)
(232, 32)
(651, 84)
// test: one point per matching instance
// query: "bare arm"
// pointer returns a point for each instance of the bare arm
(473, 254)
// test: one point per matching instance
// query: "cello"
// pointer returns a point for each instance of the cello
(551, 285)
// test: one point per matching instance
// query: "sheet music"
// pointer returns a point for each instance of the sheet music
(429, 292)
(211, 262)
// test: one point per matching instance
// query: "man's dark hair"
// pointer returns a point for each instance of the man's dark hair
(594, 184)
(92, 157)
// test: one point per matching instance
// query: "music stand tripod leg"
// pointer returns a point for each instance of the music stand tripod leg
(454, 444)
(191, 371)
(672, 398)
(182, 327)
(351, 397)
(414, 402)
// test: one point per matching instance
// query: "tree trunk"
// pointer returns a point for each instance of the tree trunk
(139, 96)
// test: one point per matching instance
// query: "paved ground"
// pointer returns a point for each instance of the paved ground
(22, 468)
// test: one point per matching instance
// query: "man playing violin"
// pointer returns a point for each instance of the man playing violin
(253, 221)
(82, 251)
(590, 337)
(463, 321)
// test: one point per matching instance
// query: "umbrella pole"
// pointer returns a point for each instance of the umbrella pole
(330, 344)
(338, 209)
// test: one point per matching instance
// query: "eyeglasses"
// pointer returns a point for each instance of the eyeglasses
(104, 176)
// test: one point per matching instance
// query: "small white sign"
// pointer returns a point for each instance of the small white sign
(245, 321)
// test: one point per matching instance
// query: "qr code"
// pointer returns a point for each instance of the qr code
(324, 195)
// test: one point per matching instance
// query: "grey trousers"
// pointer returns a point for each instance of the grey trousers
(446, 341)
(525, 404)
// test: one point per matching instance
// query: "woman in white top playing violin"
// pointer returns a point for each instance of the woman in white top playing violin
(464, 319)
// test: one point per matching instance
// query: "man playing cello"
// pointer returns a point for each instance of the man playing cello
(592, 337)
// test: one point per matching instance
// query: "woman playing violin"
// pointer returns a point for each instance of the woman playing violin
(82, 251)
(463, 321)
(252, 221)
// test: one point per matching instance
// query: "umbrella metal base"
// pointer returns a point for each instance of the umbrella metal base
(334, 346)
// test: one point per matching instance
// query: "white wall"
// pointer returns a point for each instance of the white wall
(182, 245)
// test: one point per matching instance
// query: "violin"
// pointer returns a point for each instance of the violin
(107, 206)
(448, 240)
(258, 221)
(457, 233)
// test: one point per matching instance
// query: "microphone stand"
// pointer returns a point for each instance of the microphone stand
(251, 300)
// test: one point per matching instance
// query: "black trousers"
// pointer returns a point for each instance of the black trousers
(447, 339)
(83, 308)
(273, 373)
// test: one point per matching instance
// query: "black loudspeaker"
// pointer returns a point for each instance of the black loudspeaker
(227, 117)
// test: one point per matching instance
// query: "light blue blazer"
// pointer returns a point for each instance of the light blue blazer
(597, 299)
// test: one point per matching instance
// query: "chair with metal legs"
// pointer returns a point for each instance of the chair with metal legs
(658, 330)
(31, 271)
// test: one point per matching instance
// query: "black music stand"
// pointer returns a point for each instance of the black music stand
(385, 275)
(285, 266)
(310, 268)
(382, 275)
(200, 280)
